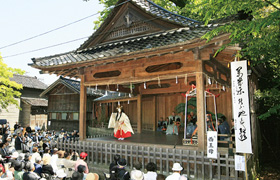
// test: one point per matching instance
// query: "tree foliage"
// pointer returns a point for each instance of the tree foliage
(256, 30)
(8, 89)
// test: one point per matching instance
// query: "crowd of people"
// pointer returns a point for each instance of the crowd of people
(27, 154)
(118, 171)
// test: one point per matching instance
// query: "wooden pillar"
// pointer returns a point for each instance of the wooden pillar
(139, 113)
(83, 109)
(154, 114)
(200, 105)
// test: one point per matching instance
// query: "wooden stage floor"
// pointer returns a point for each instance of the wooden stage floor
(146, 138)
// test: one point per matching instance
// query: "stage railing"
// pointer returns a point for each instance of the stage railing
(196, 164)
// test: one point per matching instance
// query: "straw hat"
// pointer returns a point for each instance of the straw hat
(137, 175)
(92, 176)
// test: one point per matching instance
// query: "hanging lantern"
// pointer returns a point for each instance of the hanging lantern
(119, 103)
(106, 93)
(96, 87)
(117, 88)
(145, 86)
(129, 95)
(224, 88)
(128, 102)
(176, 79)
(119, 94)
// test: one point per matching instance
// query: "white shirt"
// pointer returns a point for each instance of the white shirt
(176, 176)
(53, 162)
(150, 175)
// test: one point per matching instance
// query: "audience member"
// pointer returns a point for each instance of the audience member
(151, 171)
(177, 168)
(81, 161)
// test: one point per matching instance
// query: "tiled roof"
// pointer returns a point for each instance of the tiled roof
(122, 47)
(113, 95)
(152, 8)
(73, 85)
(35, 101)
(29, 82)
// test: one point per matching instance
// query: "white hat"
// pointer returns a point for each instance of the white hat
(60, 173)
(137, 175)
(14, 155)
(177, 167)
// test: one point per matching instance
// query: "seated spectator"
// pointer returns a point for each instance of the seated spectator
(82, 169)
(136, 168)
(29, 174)
(18, 173)
(53, 160)
(69, 164)
(47, 168)
(77, 176)
(151, 174)
(119, 171)
(177, 168)
(116, 159)
(35, 154)
(3, 149)
(38, 166)
(81, 161)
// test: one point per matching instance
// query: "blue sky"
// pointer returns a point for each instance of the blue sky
(22, 19)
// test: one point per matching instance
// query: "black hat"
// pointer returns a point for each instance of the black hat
(122, 162)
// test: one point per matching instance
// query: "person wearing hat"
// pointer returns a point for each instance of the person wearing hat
(177, 168)
(137, 175)
(119, 171)
(121, 124)
(82, 161)
(60, 174)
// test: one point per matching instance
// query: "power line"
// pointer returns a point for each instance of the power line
(44, 47)
(47, 32)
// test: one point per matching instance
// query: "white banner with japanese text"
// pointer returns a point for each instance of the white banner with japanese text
(240, 104)
(212, 146)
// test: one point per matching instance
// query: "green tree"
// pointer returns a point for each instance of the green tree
(8, 89)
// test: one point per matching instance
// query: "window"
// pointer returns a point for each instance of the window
(164, 67)
(63, 116)
(75, 116)
(107, 74)
(53, 115)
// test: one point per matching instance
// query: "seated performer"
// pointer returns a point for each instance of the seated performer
(120, 122)
(173, 125)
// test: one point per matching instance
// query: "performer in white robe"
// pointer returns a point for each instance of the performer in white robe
(121, 124)
(173, 124)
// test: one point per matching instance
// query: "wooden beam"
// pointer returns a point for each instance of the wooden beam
(83, 109)
(117, 100)
(200, 105)
(139, 113)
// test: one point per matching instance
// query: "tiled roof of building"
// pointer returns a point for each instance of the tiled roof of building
(152, 8)
(123, 47)
(29, 82)
(73, 85)
(35, 101)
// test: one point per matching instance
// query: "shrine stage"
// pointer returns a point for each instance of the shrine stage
(147, 138)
